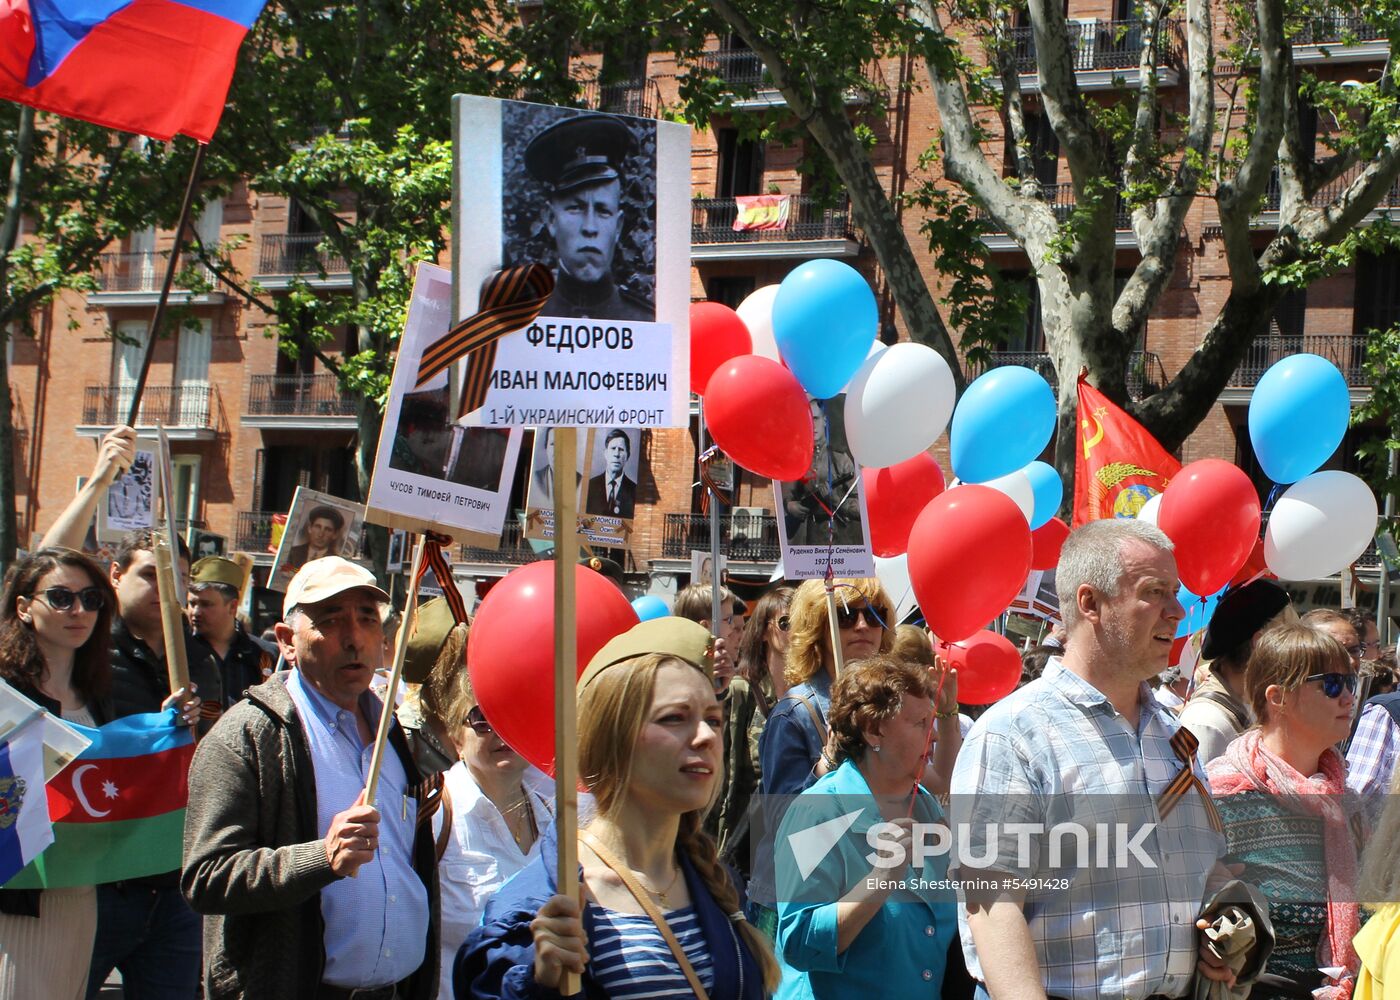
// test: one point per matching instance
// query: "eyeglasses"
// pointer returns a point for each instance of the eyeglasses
(874, 617)
(476, 718)
(1356, 652)
(62, 598)
(1333, 683)
(784, 623)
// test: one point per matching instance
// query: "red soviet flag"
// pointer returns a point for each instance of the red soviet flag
(1118, 466)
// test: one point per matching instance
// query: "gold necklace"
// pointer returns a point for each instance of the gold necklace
(531, 830)
(660, 894)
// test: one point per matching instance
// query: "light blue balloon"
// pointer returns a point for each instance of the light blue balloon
(649, 606)
(824, 322)
(1003, 421)
(1297, 416)
(1049, 491)
(1197, 616)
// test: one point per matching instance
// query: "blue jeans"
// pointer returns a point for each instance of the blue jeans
(152, 936)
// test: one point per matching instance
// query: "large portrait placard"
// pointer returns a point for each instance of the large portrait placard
(603, 202)
(431, 473)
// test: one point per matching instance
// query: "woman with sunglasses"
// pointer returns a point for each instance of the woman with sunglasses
(1281, 792)
(55, 620)
(493, 806)
(753, 692)
(794, 751)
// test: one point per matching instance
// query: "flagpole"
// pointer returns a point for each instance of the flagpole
(386, 713)
(134, 408)
(171, 623)
(714, 540)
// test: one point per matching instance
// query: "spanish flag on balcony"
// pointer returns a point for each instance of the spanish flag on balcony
(1118, 466)
(155, 67)
(761, 211)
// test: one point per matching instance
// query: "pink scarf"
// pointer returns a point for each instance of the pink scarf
(1248, 766)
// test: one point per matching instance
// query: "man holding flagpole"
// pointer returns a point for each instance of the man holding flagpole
(310, 893)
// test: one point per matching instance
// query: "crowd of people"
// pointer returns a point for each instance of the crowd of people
(710, 749)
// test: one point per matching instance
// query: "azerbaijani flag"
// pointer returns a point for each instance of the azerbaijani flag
(118, 811)
(157, 67)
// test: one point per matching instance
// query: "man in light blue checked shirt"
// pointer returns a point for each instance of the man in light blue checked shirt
(1086, 753)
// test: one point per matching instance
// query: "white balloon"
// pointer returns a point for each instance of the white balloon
(893, 574)
(757, 313)
(1320, 525)
(875, 349)
(1151, 509)
(1016, 485)
(898, 403)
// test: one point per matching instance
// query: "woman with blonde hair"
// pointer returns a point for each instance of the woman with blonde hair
(660, 915)
(791, 751)
(1281, 792)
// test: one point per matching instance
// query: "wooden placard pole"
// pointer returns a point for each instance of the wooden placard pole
(386, 715)
(566, 671)
(837, 659)
(167, 502)
(172, 625)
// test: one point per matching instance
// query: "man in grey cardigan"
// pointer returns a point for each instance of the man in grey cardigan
(308, 892)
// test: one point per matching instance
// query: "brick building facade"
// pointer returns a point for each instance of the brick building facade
(248, 424)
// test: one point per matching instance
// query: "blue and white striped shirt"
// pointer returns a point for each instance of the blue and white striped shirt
(630, 958)
(376, 923)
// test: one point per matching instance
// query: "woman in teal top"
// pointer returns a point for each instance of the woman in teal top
(847, 928)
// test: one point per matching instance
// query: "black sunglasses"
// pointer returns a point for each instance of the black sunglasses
(1333, 684)
(61, 598)
(784, 623)
(476, 718)
(874, 616)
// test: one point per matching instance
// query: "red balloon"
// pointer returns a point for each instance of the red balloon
(989, 668)
(894, 497)
(969, 556)
(760, 417)
(1211, 513)
(1046, 542)
(716, 335)
(510, 652)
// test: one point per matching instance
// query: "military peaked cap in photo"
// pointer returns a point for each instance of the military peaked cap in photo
(587, 149)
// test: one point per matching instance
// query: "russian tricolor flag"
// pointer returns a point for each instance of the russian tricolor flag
(156, 67)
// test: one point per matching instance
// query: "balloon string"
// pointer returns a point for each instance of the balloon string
(830, 492)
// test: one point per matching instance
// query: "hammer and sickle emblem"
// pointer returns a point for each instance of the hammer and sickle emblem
(1092, 439)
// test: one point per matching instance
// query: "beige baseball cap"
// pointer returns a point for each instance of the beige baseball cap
(321, 579)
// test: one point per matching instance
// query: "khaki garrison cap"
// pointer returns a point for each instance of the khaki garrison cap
(678, 637)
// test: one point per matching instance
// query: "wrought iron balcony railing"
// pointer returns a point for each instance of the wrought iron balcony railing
(298, 396)
(1145, 372)
(1325, 195)
(1338, 26)
(743, 68)
(253, 532)
(1061, 199)
(1099, 45)
(712, 221)
(141, 272)
(1346, 351)
(638, 98)
(515, 549)
(284, 253)
(186, 405)
(743, 537)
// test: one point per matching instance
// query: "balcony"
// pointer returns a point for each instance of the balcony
(1061, 200)
(747, 538)
(742, 68)
(1345, 350)
(1106, 54)
(1340, 36)
(134, 279)
(188, 410)
(1145, 372)
(638, 98)
(1387, 208)
(814, 228)
(515, 548)
(299, 402)
(284, 258)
